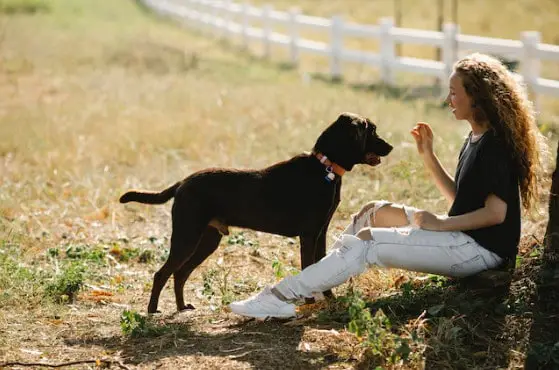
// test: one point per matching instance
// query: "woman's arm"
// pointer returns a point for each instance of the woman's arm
(444, 182)
(423, 136)
(493, 213)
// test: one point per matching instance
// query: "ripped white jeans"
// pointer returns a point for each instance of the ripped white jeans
(438, 252)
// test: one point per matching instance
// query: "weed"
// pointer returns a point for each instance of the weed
(241, 239)
(53, 253)
(135, 325)
(67, 284)
(146, 256)
(208, 279)
(277, 266)
(18, 282)
(375, 331)
(518, 261)
(281, 271)
(124, 254)
(216, 285)
(76, 252)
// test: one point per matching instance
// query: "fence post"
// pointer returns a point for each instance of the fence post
(450, 50)
(294, 35)
(530, 66)
(386, 50)
(267, 29)
(336, 47)
(245, 24)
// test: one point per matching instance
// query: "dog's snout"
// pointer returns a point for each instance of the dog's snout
(381, 147)
(388, 149)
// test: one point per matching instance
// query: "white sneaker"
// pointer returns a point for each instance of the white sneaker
(264, 304)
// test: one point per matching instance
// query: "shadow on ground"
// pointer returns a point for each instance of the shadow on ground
(465, 324)
(262, 345)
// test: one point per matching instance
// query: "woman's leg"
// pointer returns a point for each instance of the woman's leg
(445, 253)
(332, 270)
(379, 213)
(346, 259)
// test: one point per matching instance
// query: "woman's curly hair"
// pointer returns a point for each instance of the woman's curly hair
(499, 99)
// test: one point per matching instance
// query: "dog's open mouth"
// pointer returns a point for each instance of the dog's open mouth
(372, 159)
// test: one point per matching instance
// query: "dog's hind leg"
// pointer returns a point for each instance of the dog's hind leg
(207, 245)
(184, 242)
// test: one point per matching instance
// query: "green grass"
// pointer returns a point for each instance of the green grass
(11, 7)
(98, 97)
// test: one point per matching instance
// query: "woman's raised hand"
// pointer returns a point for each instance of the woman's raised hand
(423, 136)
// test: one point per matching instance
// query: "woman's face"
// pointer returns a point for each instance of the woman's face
(458, 100)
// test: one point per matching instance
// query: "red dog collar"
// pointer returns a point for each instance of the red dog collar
(331, 167)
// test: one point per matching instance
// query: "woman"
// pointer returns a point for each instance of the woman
(497, 171)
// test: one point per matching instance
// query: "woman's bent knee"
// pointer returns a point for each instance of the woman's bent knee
(366, 215)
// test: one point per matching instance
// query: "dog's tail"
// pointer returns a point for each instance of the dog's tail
(150, 197)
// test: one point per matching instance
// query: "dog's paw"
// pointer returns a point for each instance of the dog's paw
(187, 308)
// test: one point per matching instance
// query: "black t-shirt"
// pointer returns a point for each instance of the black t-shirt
(486, 167)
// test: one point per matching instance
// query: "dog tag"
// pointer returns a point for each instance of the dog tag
(330, 176)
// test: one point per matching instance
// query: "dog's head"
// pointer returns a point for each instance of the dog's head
(350, 140)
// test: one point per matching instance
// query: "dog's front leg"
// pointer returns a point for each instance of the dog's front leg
(308, 249)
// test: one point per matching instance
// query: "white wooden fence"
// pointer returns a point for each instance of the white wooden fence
(229, 19)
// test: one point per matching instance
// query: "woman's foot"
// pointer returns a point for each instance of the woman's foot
(264, 304)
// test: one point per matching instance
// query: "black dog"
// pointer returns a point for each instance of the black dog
(292, 198)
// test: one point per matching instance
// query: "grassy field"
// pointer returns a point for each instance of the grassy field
(99, 97)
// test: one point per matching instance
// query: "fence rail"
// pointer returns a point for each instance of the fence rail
(227, 18)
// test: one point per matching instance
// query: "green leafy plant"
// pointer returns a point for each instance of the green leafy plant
(53, 253)
(375, 331)
(216, 284)
(96, 253)
(207, 282)
(277, 266)
(281, 270)
(146, 256)
(241, 239)
(124, 254)
(67, 284)
(135, 325)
